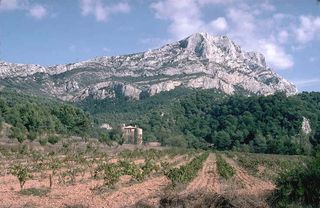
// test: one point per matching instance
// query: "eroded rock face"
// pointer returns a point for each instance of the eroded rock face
(199, 61)
(306, 127)
(163, 86)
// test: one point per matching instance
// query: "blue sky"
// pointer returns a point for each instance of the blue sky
(49, 32)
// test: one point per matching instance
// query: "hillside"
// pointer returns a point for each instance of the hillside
(199, 61)
(32, 117)
(185, 118)
(270, 124)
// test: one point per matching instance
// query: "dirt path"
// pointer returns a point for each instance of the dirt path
(207, 178)
(153, 200)
(251, 184)
(128, 196)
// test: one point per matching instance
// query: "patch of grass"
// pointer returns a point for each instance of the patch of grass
(53, 139)
(273, 164)
(224, 169)
(101, 189)
(35, 192)
(29, 205)
(187, 172)
(195, 199)
(300, 186)
(75, 206)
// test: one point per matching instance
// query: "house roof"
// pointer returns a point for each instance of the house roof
(129, 127)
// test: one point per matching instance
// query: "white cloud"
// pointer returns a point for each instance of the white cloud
(101, 11)
(219, 24)
(185, 18)
(308, 30)
(86, 6)
(38, 11)
(204, 2)
(244, 23)
(120, 7)
(267, 6)
(256, 34)
(8, 4)
(283, 36)
(276, 55)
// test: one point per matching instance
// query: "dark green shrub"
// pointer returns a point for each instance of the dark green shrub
(111, 174)
(35, 192)
(21, 172)
(105, 138)
(187, 172)
(53, 139)
(43, 142)
(17, 133)
(224, 169)
(300, 186)
(32, 136)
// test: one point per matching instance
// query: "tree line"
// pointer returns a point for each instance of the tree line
(266, 124)
(183, 117)
(31, 117)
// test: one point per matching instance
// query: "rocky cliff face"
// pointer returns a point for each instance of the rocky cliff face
(199, 61)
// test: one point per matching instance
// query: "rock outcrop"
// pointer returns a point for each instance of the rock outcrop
(306, 127)
(199, 61)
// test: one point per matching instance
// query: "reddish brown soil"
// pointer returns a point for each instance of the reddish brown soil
(81, 192)
(251, 184)
(207, 179)
(127, 194)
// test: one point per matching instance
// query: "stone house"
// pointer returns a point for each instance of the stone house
(132, 134)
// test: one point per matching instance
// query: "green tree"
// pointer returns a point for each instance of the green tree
(1, 122)
(223, 140)
(18, 133)
(53, 139)
(32, 136)
(21, 172)
(259, 144)
(175, 141)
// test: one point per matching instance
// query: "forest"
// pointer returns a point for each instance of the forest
(32, 117)
(183, 118)
(196, 118)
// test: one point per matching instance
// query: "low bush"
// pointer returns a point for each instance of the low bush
(299, 187)
(21, 172)
(224, 169)
(187, 172)
(35, 191)
(111, 174)
(53, 139)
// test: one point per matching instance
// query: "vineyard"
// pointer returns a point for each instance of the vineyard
(163, 177)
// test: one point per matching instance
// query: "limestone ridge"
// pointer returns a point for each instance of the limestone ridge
(199, 61)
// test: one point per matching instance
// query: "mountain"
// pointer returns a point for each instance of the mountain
(199, 61)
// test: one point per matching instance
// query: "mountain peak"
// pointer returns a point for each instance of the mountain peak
(207, 46)
(198, 61)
